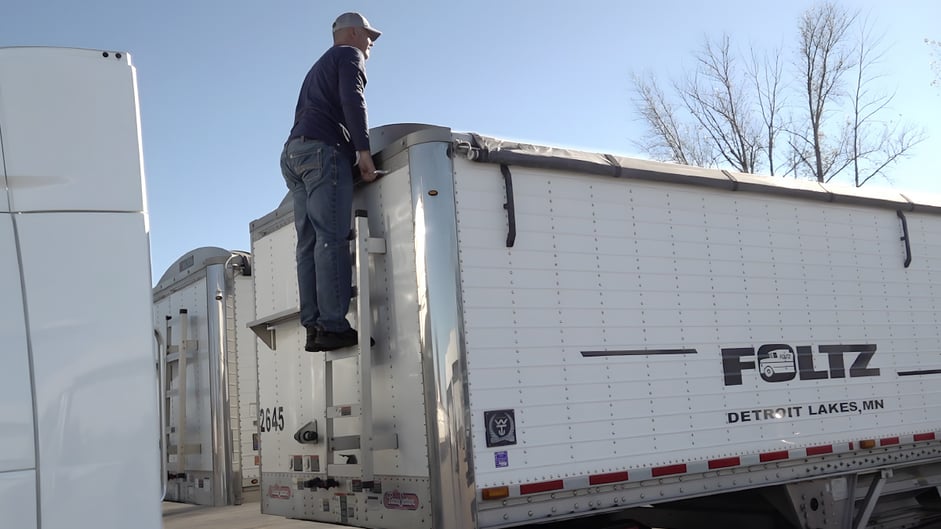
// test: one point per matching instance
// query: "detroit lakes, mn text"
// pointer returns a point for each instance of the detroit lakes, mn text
(808, 410)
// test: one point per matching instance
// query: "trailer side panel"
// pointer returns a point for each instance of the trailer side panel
(637, 330)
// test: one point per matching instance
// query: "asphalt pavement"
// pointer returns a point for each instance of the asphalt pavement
(245, 516)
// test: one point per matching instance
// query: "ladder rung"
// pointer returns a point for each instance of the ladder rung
(344, 442)
(351, 442)
(345, 471)
(188, 345)
(340, 354)
(376, 245)
(175, 356)
(187, 449)
(343, 410)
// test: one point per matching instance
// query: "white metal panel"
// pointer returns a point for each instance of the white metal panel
(603, 264)
(276, 289)
(90, 161)
(87, 279)
(16, 401)
(291, 380)
(18, 499)
(398, 390)
(396, 371)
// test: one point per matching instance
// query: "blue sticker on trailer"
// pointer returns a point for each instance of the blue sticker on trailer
(501, 459)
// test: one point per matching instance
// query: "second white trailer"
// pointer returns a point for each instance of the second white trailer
(562, 334)
(208, 376)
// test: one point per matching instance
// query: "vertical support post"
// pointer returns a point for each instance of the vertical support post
(161, 357)
(165, 390)
(219, 409)
(183, 351)
(872, 496)
(364, 321)
(328, 405)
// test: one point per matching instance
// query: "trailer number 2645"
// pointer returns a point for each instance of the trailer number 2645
(271, 419)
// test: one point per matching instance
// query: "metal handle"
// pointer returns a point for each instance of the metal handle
(904, 237)
(509, 206)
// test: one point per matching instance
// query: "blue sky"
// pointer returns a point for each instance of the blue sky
(219, 79)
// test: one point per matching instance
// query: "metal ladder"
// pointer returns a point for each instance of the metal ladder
(179, 354)
(367, 442)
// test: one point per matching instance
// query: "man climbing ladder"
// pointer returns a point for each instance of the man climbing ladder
(330, 134)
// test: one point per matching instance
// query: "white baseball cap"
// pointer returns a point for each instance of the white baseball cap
(355, 20)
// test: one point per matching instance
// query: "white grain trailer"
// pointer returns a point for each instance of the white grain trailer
(209, 376)
(562, 334)
(78, 414)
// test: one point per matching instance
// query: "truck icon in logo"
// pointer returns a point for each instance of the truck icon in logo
(501, 427)
(778, 361)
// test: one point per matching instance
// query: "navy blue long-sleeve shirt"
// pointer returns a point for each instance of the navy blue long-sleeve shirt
(331, 106)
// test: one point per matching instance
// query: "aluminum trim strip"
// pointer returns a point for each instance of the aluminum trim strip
(815, 456)
(484, 149)
(222, 474)
(444, 367)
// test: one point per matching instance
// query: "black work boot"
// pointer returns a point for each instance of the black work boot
(328, 341)
(311, 344)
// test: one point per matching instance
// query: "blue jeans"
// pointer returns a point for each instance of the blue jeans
(320, 179)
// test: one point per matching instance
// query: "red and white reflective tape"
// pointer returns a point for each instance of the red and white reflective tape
(710, 465)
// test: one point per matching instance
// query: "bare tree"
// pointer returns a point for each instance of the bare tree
(824, 58)
(875, 143)
(713, 118)
(767, 76)
(669, 137)
(715, 96)
(837, 124)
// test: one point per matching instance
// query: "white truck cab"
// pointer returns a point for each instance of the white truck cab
(78, 408)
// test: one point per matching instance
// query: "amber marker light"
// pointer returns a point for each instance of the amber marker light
(867, 443)
(495, 493)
